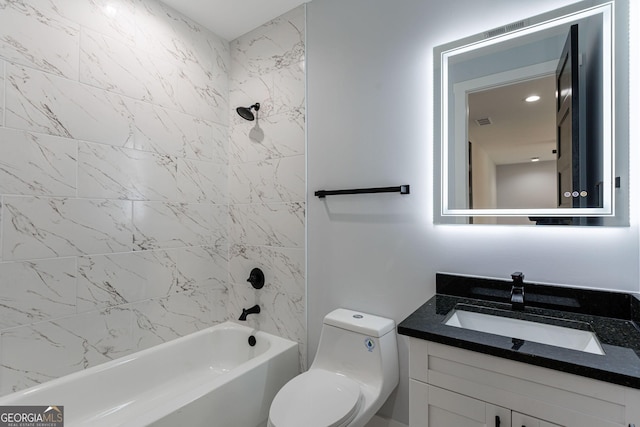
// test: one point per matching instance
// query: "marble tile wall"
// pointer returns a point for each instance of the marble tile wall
(267, 176)
(114, 201)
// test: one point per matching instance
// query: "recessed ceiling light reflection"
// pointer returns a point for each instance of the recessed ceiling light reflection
(532, 98)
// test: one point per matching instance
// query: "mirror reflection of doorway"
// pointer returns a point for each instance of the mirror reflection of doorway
(539, 149)
(572, 186)
(513, 143)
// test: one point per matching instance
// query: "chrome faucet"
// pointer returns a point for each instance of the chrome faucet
(517, 291)
(246, 311)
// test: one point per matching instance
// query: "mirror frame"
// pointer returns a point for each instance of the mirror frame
(615, 121)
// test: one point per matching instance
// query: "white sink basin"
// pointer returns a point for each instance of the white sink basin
(543, 333)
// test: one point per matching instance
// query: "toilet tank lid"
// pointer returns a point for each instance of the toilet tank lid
(357, 321)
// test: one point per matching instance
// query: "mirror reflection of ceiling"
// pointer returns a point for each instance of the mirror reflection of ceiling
(511, 130)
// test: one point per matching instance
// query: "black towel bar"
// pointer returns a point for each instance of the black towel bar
(402, 189)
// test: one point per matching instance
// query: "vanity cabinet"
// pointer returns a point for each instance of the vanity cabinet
(450, 387)
(446, 408)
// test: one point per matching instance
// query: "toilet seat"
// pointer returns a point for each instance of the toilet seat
(317, 398)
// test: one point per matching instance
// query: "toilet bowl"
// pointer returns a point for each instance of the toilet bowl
(354, 372)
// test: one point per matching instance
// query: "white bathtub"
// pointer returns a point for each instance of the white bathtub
(210, 378)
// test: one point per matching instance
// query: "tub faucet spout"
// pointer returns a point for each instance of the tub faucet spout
(246, 311)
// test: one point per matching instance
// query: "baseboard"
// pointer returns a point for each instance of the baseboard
(378, 421)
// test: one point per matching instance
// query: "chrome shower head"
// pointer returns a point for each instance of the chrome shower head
(245, 112)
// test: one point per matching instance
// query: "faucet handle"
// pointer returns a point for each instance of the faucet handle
(256, 278)
(517, 277)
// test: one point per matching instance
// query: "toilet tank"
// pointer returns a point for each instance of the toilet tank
(362, 323)
(360, 345)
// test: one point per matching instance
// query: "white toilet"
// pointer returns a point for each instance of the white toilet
(352, 375)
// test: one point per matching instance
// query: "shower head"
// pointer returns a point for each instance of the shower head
(245, 112)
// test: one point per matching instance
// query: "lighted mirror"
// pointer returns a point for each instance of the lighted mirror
(531, 120)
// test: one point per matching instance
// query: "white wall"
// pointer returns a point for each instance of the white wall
(527, 185)
(483, 174)
(483, 183)
(370, 123)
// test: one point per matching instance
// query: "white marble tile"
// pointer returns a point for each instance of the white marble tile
(203, 268)
(114, 18)
(41, 102)
(284, 268)
(109, 280)
(272, 46)
(202, 182)
(221, 57)
(36, 227)
(33, 34)
(118, 67)
(220, 144)
(34, 291)
(37, 164)
(106, 332)
(105, 171)
(164, 319)
(219, 227)
(275, 224)
(171, 225)
(43, 351)
(268, 181)
(277, 136)
(268, 65)
(217, 300)
(289, 89)
(201, 94)
(167, 131)
(38, 353)
(289, 33)
(164, 32)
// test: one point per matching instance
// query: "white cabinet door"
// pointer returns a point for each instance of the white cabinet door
(443, 408)
(451, 409)
(497, 416)
(522, 420)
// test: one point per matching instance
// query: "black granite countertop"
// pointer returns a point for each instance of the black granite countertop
(612, 316)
